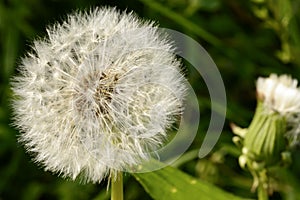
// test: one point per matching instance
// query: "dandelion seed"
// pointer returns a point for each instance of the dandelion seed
(98, 94)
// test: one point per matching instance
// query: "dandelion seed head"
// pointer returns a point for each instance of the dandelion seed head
(98, 94)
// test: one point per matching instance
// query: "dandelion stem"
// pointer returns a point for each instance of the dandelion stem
(117, 187)
(262, 192)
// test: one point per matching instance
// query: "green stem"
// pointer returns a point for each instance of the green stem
(117, 187)
(262, 192)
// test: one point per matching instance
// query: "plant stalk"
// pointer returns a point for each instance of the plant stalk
(262, 192)
(117, 187)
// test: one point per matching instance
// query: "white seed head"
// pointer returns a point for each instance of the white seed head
(97, 95)
(280, 94)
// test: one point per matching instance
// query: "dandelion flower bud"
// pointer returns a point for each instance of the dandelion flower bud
(281, 95)
(276, 119)
(264, 140)
(98, 94)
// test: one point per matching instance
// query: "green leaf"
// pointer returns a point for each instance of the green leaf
(172, 184)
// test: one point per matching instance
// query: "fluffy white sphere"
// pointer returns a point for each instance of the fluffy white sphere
(98, 94)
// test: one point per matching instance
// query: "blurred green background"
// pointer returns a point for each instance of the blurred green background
(246, 39)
